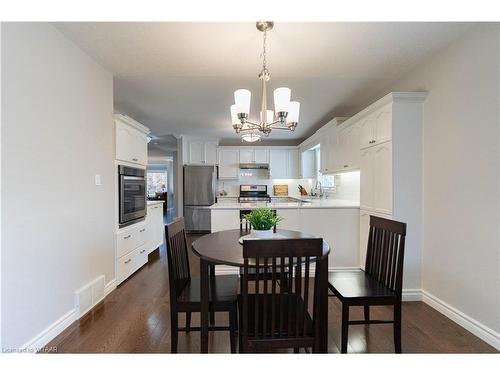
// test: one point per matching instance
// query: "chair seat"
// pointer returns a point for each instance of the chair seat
(291, 305)
(356, 284)
(226, 290)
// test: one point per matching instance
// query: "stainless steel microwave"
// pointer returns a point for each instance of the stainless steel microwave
(132, 198)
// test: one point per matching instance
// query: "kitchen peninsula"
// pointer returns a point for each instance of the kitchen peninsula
(335, 220)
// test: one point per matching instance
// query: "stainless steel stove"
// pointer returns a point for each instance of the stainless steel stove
(253, 193)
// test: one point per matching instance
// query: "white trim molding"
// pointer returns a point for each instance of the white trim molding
(48, 334)
(109, 287)
(40, 341)
(470, 324)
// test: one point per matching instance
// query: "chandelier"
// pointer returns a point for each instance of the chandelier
(287, 112)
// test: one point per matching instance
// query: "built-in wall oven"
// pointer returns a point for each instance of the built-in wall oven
(132, 197)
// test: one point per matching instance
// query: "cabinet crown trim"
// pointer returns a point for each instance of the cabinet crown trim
(131, 122)
(393, 97)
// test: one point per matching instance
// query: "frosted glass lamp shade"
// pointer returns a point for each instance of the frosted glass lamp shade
(234, 115)
(293, 112)
(251, 137)
(282, 99)
(242, 100)
(269, 116)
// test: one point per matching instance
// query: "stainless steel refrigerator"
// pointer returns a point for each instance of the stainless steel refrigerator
(199, 194)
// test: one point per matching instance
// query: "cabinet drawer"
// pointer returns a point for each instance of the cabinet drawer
(131, 262)
(130, 239)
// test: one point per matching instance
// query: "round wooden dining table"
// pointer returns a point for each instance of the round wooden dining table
(223, 248)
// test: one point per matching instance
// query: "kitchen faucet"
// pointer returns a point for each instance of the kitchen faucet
(320, 188)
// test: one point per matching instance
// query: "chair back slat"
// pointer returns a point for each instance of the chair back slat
(177, 257)
(285, 264)
(385, 252)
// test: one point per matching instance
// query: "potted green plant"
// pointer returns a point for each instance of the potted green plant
(263, 221)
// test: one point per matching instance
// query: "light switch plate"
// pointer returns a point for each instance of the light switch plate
(98, 181)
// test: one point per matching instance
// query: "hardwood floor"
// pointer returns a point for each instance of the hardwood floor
(134, 318)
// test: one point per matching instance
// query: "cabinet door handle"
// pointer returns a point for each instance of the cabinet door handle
(142, 252)
(128, 261)
(142, 230)
(135, 159)
(127, 237)
(345, 165)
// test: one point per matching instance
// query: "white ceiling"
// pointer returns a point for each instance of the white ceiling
(179, 78)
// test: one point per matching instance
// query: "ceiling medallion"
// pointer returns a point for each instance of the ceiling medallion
(287, 112)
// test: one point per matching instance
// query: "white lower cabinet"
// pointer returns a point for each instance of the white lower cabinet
(130, 238)
(224, 220)
(135, 242)
(131, 262)
(338, 226)
(154, 226)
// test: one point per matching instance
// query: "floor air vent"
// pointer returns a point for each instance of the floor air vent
(88, 296)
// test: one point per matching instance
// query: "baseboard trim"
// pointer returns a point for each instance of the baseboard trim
(38, 342)
(470, 324)
(412, 295)
(109, 287)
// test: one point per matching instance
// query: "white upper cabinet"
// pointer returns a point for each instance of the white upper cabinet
(308, 164)
(196, 152)
(376, 128)
(284, 163)
(229, 167)
(346, 155)
(199, 152)
(211, 153)
(246, 155)
(131, 141)
(261, 155)
(330, 149)
(254, 155)
(293, 163)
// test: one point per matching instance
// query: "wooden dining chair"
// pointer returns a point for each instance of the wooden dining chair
(185, 290)
(277, 317)
(381, 281)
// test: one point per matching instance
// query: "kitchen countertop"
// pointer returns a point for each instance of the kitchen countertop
(299, 203)
(151, 203)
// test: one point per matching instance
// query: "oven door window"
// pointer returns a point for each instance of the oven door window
(134, 195)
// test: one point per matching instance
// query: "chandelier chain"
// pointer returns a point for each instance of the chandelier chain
(263, 54)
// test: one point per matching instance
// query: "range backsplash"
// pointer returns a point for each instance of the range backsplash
(346, 184)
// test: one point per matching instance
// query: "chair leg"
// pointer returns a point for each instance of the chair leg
(367, 312)
(345, 328)
(232, 329)
(397, 327)
(174, 331)
(212, 281)
(188, 321)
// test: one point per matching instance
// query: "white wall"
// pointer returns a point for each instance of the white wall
(57, 226)
(461, 169)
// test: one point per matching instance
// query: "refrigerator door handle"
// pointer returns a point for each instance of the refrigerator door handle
(214, 185)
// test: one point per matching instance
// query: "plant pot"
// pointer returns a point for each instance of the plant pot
(262, 233)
